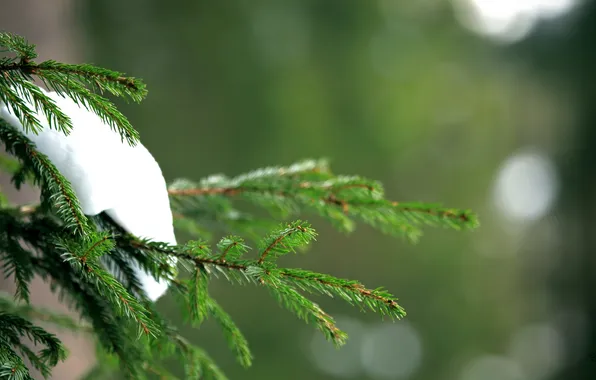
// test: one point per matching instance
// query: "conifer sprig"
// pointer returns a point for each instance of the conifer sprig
(100, 79)
(201, 305)
(283, 283)
(16, 262)
(22, 93)
(19, 45)
(30, 312)
(15, 328)
(76, 81)
(57, 192)
(84, 258)
(309, 185)
(38, 232)
(199, 365)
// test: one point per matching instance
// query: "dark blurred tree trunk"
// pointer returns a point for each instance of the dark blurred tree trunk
(50, 24)
(579, 187)
(572, 57)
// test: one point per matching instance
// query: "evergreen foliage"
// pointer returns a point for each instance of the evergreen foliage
(87, 259)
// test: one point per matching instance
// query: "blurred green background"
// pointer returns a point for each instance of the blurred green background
(442, 101)
(476, 104)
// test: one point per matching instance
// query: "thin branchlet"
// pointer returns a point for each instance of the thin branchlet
(301, 276)
(341, 199)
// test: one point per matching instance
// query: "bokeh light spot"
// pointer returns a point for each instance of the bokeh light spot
(508, 21)
(538, 349)
(526, 186)
(392, 351)
(343, 362)
(492, 367)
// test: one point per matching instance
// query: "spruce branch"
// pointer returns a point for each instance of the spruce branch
(19, 45)
(201, 305)
(200, 366)
(304, 308)
(310, 185)
(21, 94)
(16, 262)
(197, 362)
(12, 366)
(57, 192)
(119, 264)
(283, 283)
(282, 242)
(377, 300)
(231, 247)
(82, 295)
(84, 257)
(102, 79)
(102, 107)
(76, 81)
(111, 331)
(235, 338)
(197, 295)
(95, 272)
(13, 328)
(30, 312)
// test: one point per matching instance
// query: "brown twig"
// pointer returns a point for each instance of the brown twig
(359, 288)
(32, 68)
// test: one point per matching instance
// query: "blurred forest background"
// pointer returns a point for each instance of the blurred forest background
(479, 104)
